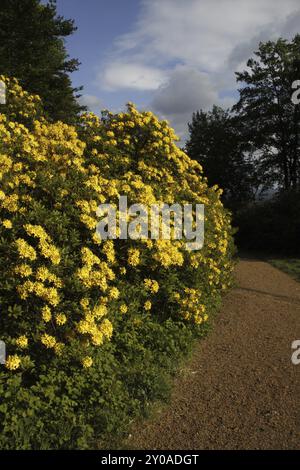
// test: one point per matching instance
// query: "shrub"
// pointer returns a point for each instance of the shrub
(271, 226)
(93, 328)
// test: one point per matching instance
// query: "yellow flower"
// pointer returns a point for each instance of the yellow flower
(106, 328)
(99, 311)
(46, 314)
(89, 221)
(108, 249)
(36, 231)
(87, 168)
(168, 254)
(42, 274)
(25, 250)
(114, 293)
(50, 295)
(97, 338)
(151, 285)
(7, 224)
(84, 327)
(84, 303)
(49, 251)
(13, 362)
(60, 319)
(22, 342)
(24, 270)
(123, 308)
(133, 256)
(89, 258)
(48, 341)
(11, 203)
(87, 362)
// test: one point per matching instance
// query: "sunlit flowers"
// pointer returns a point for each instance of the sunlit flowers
(69, 291)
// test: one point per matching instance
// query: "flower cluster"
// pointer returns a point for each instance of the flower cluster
(65, 289)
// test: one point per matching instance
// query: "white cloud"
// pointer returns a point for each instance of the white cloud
(186, 91)
(201, 32)
(91, 101)
(186, 52)
(131, 75)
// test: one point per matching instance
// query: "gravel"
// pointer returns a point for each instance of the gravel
(240, 389)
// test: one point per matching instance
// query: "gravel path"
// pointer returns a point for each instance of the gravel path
(240, 390)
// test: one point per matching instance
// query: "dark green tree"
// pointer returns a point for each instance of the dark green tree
(216, 143)
(269, 117)
(32, 50)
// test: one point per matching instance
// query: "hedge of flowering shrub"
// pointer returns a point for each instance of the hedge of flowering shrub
(93, 327)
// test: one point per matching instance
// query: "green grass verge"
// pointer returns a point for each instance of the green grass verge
(290, 266)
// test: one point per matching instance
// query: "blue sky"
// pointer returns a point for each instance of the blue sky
(99, 22)
(171, 56)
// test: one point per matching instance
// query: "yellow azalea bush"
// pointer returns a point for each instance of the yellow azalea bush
(67, 297)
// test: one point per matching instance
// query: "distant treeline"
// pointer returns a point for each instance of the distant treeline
(253, 149)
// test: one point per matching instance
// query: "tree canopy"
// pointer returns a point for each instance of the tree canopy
(255, 145)
(270, 119)
(32, 49)
(216, 143)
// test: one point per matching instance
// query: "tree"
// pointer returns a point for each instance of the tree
(32, 50)
(216, 144)
(269, 117)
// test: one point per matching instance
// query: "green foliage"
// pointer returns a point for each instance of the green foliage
(32, 49)
(67, 408)
(289, 265)
(94, 329)
(271, 226)
(270, 120)
(216, 143)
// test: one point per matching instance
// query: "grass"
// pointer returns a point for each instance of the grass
(290, 266)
